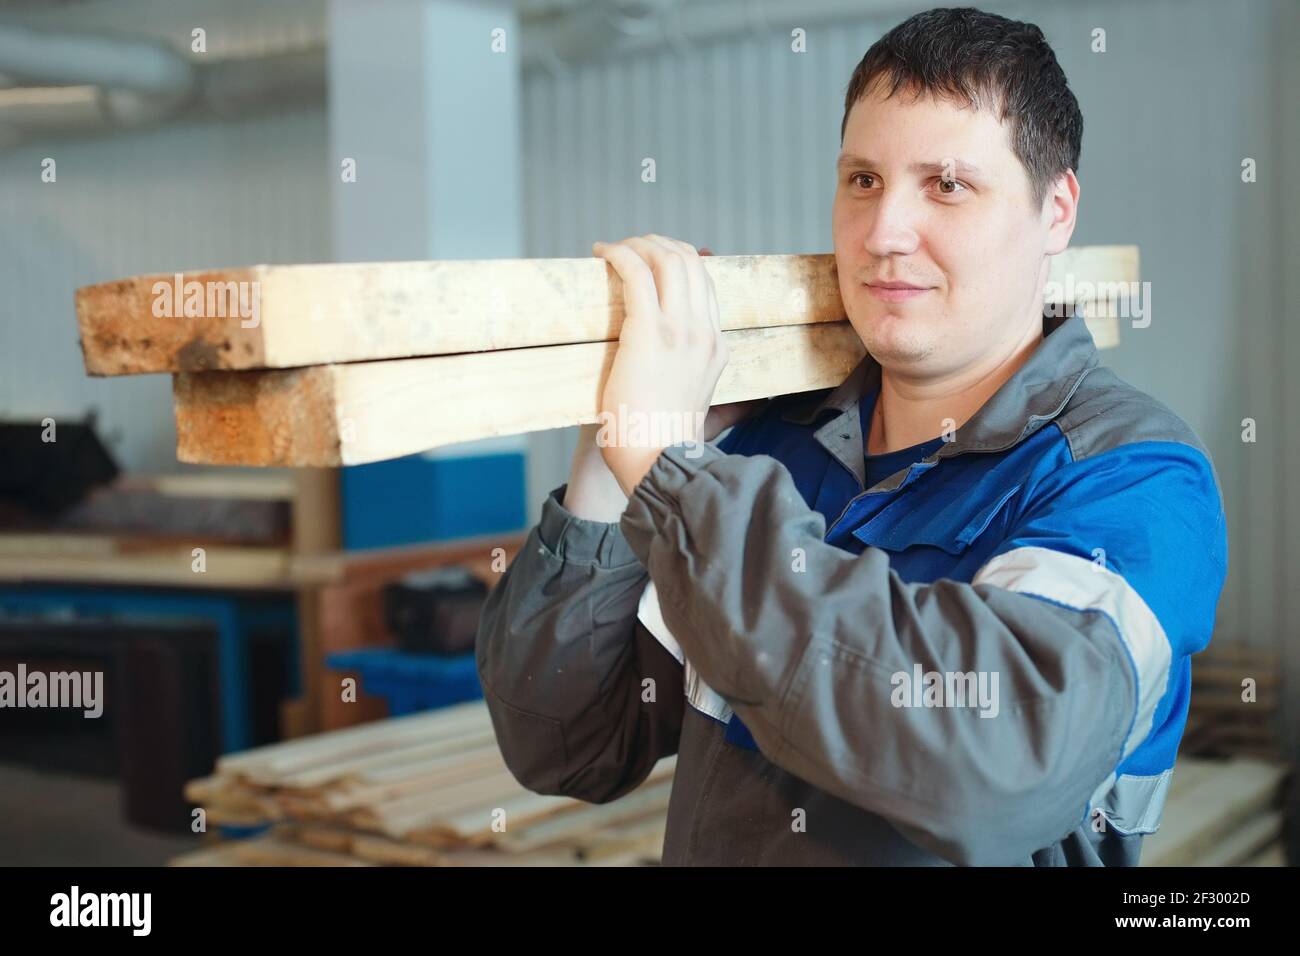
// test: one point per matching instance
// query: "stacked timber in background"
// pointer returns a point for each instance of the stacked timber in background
(422, 791)
(142, 529)
(324, 365)
(425, 790)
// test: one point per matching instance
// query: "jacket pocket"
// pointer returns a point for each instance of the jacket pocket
(952, 528)
(532, 745)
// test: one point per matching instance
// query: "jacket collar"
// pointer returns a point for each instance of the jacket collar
(1035, 395)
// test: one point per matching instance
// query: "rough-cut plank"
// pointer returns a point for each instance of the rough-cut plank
(355, 413)
(428, 812)
(319, 314)
(120, 333)
(273, 851)
(291, 756)
(324, 314)
(368, 411)
(391, 766)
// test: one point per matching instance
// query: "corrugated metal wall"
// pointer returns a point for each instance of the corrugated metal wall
(181, 197)
(184, 195)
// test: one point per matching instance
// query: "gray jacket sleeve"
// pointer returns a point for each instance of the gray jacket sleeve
(807, 658)
(584, 701)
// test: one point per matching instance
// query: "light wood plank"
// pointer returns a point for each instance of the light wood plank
(411, 730)
(142, 560)
(351, 312)
(356, 413)
(320, 314)
(361, 412)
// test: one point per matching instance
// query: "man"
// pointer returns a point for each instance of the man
(940, 614)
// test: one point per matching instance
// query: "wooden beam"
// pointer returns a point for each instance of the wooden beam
(319, 314)
(355, 413)
(322, 314)
(362, 412)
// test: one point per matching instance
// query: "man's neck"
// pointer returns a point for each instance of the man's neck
(913, 410)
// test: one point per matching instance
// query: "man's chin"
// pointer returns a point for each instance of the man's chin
(897, 341)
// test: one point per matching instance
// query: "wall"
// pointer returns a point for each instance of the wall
(179, 197)
(187, 195)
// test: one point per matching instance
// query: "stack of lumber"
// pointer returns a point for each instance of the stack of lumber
(422, 790)
(143, 529)
(352, 363)
(1224, 806)
(1223, 720)
(430, 789)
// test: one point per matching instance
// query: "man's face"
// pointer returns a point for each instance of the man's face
(931, 195)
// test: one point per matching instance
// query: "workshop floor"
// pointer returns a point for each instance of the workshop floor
(60, 819)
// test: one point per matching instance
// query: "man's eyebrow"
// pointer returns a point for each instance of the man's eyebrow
(958, 165)
(849, 159)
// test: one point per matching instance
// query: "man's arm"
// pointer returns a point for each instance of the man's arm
(564, 664)
(806, 658)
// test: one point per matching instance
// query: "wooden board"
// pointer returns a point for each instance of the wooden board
(112, 559)
(424, 790)
(363, 412)
(323, 314)
(319, 314)
(232, 485)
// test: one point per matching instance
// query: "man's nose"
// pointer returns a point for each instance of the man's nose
(892, 230)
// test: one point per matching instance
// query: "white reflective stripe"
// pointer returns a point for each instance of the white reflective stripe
(704, 698)
(1132, 804)
(652, 617)
(698, 694)
(1079, 583)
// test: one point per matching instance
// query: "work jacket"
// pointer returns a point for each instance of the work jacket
(982, 659)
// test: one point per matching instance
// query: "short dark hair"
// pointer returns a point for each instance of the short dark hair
(982, 60)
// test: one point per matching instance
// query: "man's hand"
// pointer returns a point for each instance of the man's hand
(670, 354)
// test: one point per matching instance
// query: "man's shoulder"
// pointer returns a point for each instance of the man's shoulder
(1106, 413)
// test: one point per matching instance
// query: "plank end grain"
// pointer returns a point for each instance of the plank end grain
(282, 417)
(139, 325)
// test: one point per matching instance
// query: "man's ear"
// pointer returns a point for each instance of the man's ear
(1061, 206)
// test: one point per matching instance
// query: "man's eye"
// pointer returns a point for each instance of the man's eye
(957, 187)
(856, 176)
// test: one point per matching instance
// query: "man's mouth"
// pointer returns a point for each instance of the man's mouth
(895, 291)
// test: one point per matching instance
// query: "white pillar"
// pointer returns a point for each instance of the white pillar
(424, 121)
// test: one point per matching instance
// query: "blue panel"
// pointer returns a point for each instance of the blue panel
(414, 499)
(411, 682)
